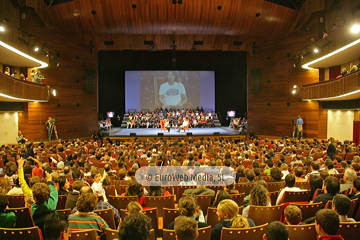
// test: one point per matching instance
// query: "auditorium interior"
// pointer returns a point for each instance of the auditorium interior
(272, 61)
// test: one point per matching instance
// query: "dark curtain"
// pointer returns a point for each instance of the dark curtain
(334, 72)
(356, 132)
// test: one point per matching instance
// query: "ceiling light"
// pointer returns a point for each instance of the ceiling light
(42, 64)
(294, 86)
(316, 50)
(293, 91)
(355, 28)
(36, 49)
(53, 92)
(330, 54)
(2, 29)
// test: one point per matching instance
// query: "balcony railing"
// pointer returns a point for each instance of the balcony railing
(16, 90)
(332, 88)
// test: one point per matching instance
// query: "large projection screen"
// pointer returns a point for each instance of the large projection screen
(170, 89)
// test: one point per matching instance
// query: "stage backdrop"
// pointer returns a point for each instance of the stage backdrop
(229, 68)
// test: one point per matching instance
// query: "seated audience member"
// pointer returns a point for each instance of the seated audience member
(77, 175)
(201, 189)
(157, 191)
(107, 168)
(247, 198)
(135, 189)
(284, 170)
(341, 205)
(276, 231)
(297, 161)
(189, 207)
(331, 187)
(220, 195)
(101, 204)
(56, 227)
(16, 190)
(353, 67)
(135, 226)
(355, 193)
(28, 194)
(186, 228)
(327, 224)
(97, 185)
(324, 174)
(290, 187)
(74, 194)
(349, 177)
(227, 212)
(269, 166)
(134, 207)
(63, 185)
(298, 171)
(292, 215)
(84, 218)
(46, 198)
(259, 196)
(276, 175)
(314, 168)
(10, 172)
(329, 167)
(240, 222)
(7, 219)
(5, 185)
(250, 175)
(316, 182)
(231, 187)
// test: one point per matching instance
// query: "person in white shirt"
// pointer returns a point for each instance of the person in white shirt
(329, 167)
(290, 183)
(97, 186)
(172, 94)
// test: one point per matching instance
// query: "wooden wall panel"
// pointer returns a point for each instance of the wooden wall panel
(278, 76)
(69, 79)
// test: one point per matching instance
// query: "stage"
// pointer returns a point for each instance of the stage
(153, 132)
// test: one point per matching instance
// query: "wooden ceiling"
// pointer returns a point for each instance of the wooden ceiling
(162, 22)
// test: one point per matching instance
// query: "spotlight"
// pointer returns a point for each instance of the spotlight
(53, 92)
(2, 29)
(295, 86)
(58, 64)
(355, 28)
(36, 49)
(293, 91)
(316, 50)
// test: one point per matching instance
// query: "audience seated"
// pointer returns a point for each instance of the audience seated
(74, 194)
(293, 215)
(7, 219)
(331, 187)
(227, 212)
(341, 205)
(355, 193)
(186, 228)
(259, 196)
(135, 226)
(189, 207)
(327, 224)
(290, 187)
(84, 218)
(201, 189)
(135, 189)
(349, 177)
(276, 231)
(46, 198)
(56, 227)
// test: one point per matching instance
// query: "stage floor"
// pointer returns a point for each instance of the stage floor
(120, 132)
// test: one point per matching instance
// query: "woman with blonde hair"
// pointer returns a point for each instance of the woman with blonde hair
(134, 207)
(227, 212)
(5, 185)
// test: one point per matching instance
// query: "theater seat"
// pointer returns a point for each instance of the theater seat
(243, 233)
(301, 232)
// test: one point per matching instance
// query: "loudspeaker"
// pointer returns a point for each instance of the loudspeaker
(90, 81)
(254, 81)
(132, 134)
(189, 134)
(216, 133)
(160, 134)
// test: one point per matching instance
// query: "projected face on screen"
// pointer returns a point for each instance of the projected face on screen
(169, 89)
